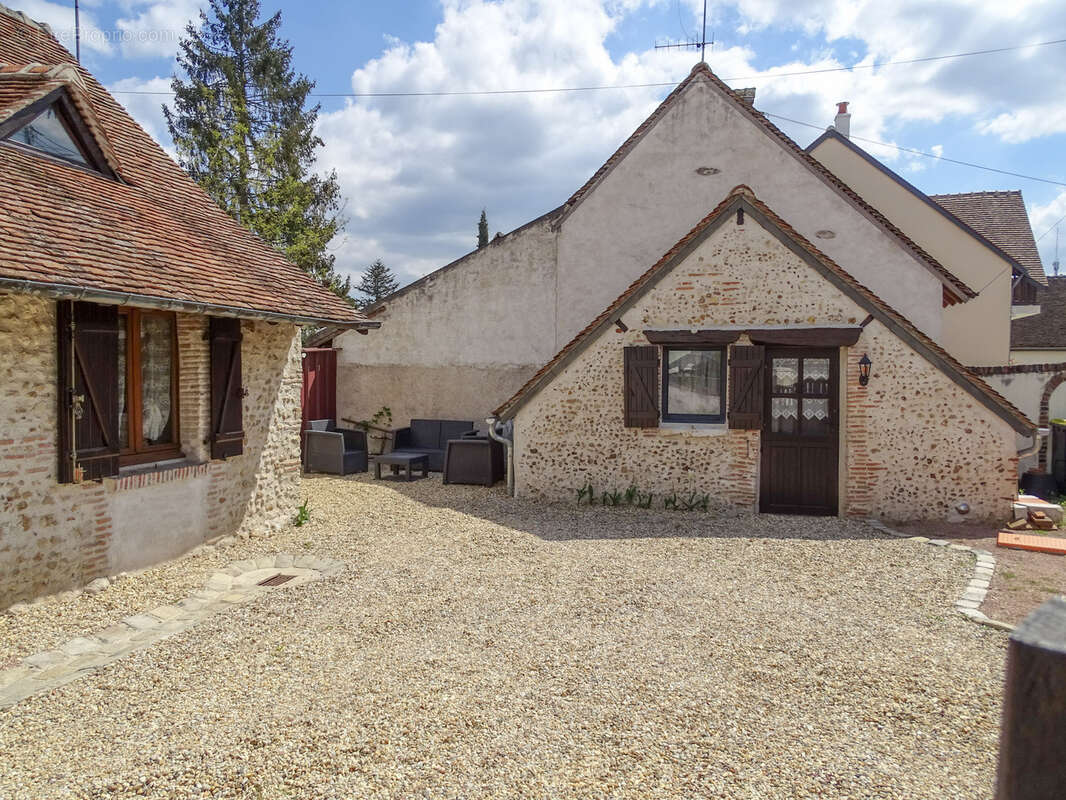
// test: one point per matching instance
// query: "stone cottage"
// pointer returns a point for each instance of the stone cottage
(150, 385)
(750, 366)
(464, 338)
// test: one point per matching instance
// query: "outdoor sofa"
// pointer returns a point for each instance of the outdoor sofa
(430, 436)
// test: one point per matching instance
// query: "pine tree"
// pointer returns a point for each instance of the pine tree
(242, 131)
(377, 282)
(482, 230)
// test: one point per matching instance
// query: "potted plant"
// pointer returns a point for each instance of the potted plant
(377, 430)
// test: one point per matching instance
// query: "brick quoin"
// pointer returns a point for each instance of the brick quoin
(1045, 413)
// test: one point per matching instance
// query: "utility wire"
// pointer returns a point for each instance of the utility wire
(1050, 229)
(921, 152)
(900, 148)
(764, 76)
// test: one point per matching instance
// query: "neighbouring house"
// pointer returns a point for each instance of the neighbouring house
(464, 338)
(150, 391)
(986, 239)
(748, 365)
(983, 238)
(1041, 338)
(1035, 380)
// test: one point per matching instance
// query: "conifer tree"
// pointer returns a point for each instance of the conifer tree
(482, 230)
(377, 282)
(243, 132)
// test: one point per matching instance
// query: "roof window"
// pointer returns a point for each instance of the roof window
(50, 133)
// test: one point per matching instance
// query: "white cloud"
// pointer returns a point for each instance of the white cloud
(1026, 123)
(416, 172)
(147, 109)
(1044, 218)
(60, 17)
(153, 29)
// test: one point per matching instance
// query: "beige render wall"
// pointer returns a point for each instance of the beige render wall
(1037, 356)
(914, 442)
(54, 537)
(655, 196)
(461, 342)
(976, 332)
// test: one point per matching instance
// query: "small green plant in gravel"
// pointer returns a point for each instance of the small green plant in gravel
(695, 501)
(631, 494)
(644, 500)
(586, 492)
(670, 502)
(303, 514)
(611, 498)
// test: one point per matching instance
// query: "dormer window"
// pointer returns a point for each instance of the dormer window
(52, 127)
(50, 133)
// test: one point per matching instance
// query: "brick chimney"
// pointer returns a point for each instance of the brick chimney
(842, 122)
(747, 95)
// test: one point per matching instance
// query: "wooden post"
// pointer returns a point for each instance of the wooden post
(1032, 745)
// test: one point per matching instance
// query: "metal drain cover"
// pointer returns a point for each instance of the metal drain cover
(276, 580)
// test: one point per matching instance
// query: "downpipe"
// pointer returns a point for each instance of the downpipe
(1034, 448)
(500, 435)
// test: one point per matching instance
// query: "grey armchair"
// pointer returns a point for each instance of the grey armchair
(339, 451)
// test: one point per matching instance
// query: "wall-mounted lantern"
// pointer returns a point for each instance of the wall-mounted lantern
(864, 369)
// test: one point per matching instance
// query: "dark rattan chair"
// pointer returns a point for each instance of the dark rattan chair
(339, 451)
(472, 459)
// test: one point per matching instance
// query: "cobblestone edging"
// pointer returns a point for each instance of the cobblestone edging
(969, 604)
(236, 583)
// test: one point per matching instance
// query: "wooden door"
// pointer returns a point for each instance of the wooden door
(318, 400)
(800, 434)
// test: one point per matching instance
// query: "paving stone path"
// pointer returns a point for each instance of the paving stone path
(237, 583)
(969, 604)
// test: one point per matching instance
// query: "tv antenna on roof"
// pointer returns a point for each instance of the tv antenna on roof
(1055, 263)
(692, 43)
(77, 34)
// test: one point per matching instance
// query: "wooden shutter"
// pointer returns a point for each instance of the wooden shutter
(87, 350)
(641, 366)
(746, 370)
(227, 392)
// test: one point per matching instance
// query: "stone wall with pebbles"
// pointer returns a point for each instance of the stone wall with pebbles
(54, 537)
(237, 583)
(914, 443)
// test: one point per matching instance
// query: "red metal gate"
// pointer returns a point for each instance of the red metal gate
(319, 397)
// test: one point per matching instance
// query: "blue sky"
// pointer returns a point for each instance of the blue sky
(416, 172)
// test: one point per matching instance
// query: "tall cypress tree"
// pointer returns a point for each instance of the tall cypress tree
(482, 230)
(243, 132)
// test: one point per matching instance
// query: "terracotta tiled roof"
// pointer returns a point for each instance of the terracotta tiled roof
(153, 233)
(1002, 219)
(1046, 330)
(956, 287)
(895, 321)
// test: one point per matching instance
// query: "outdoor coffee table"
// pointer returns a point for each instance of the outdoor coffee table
(397, 460)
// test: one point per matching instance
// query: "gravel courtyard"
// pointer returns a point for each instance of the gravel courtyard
(477, 646)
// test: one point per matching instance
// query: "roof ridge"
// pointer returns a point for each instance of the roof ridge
(25, 19)
(977, 192)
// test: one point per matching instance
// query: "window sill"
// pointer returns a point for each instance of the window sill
(164, 465)
(692, 429)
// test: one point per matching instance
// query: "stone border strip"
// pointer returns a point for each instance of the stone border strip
(234, 584)
(969, 604)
